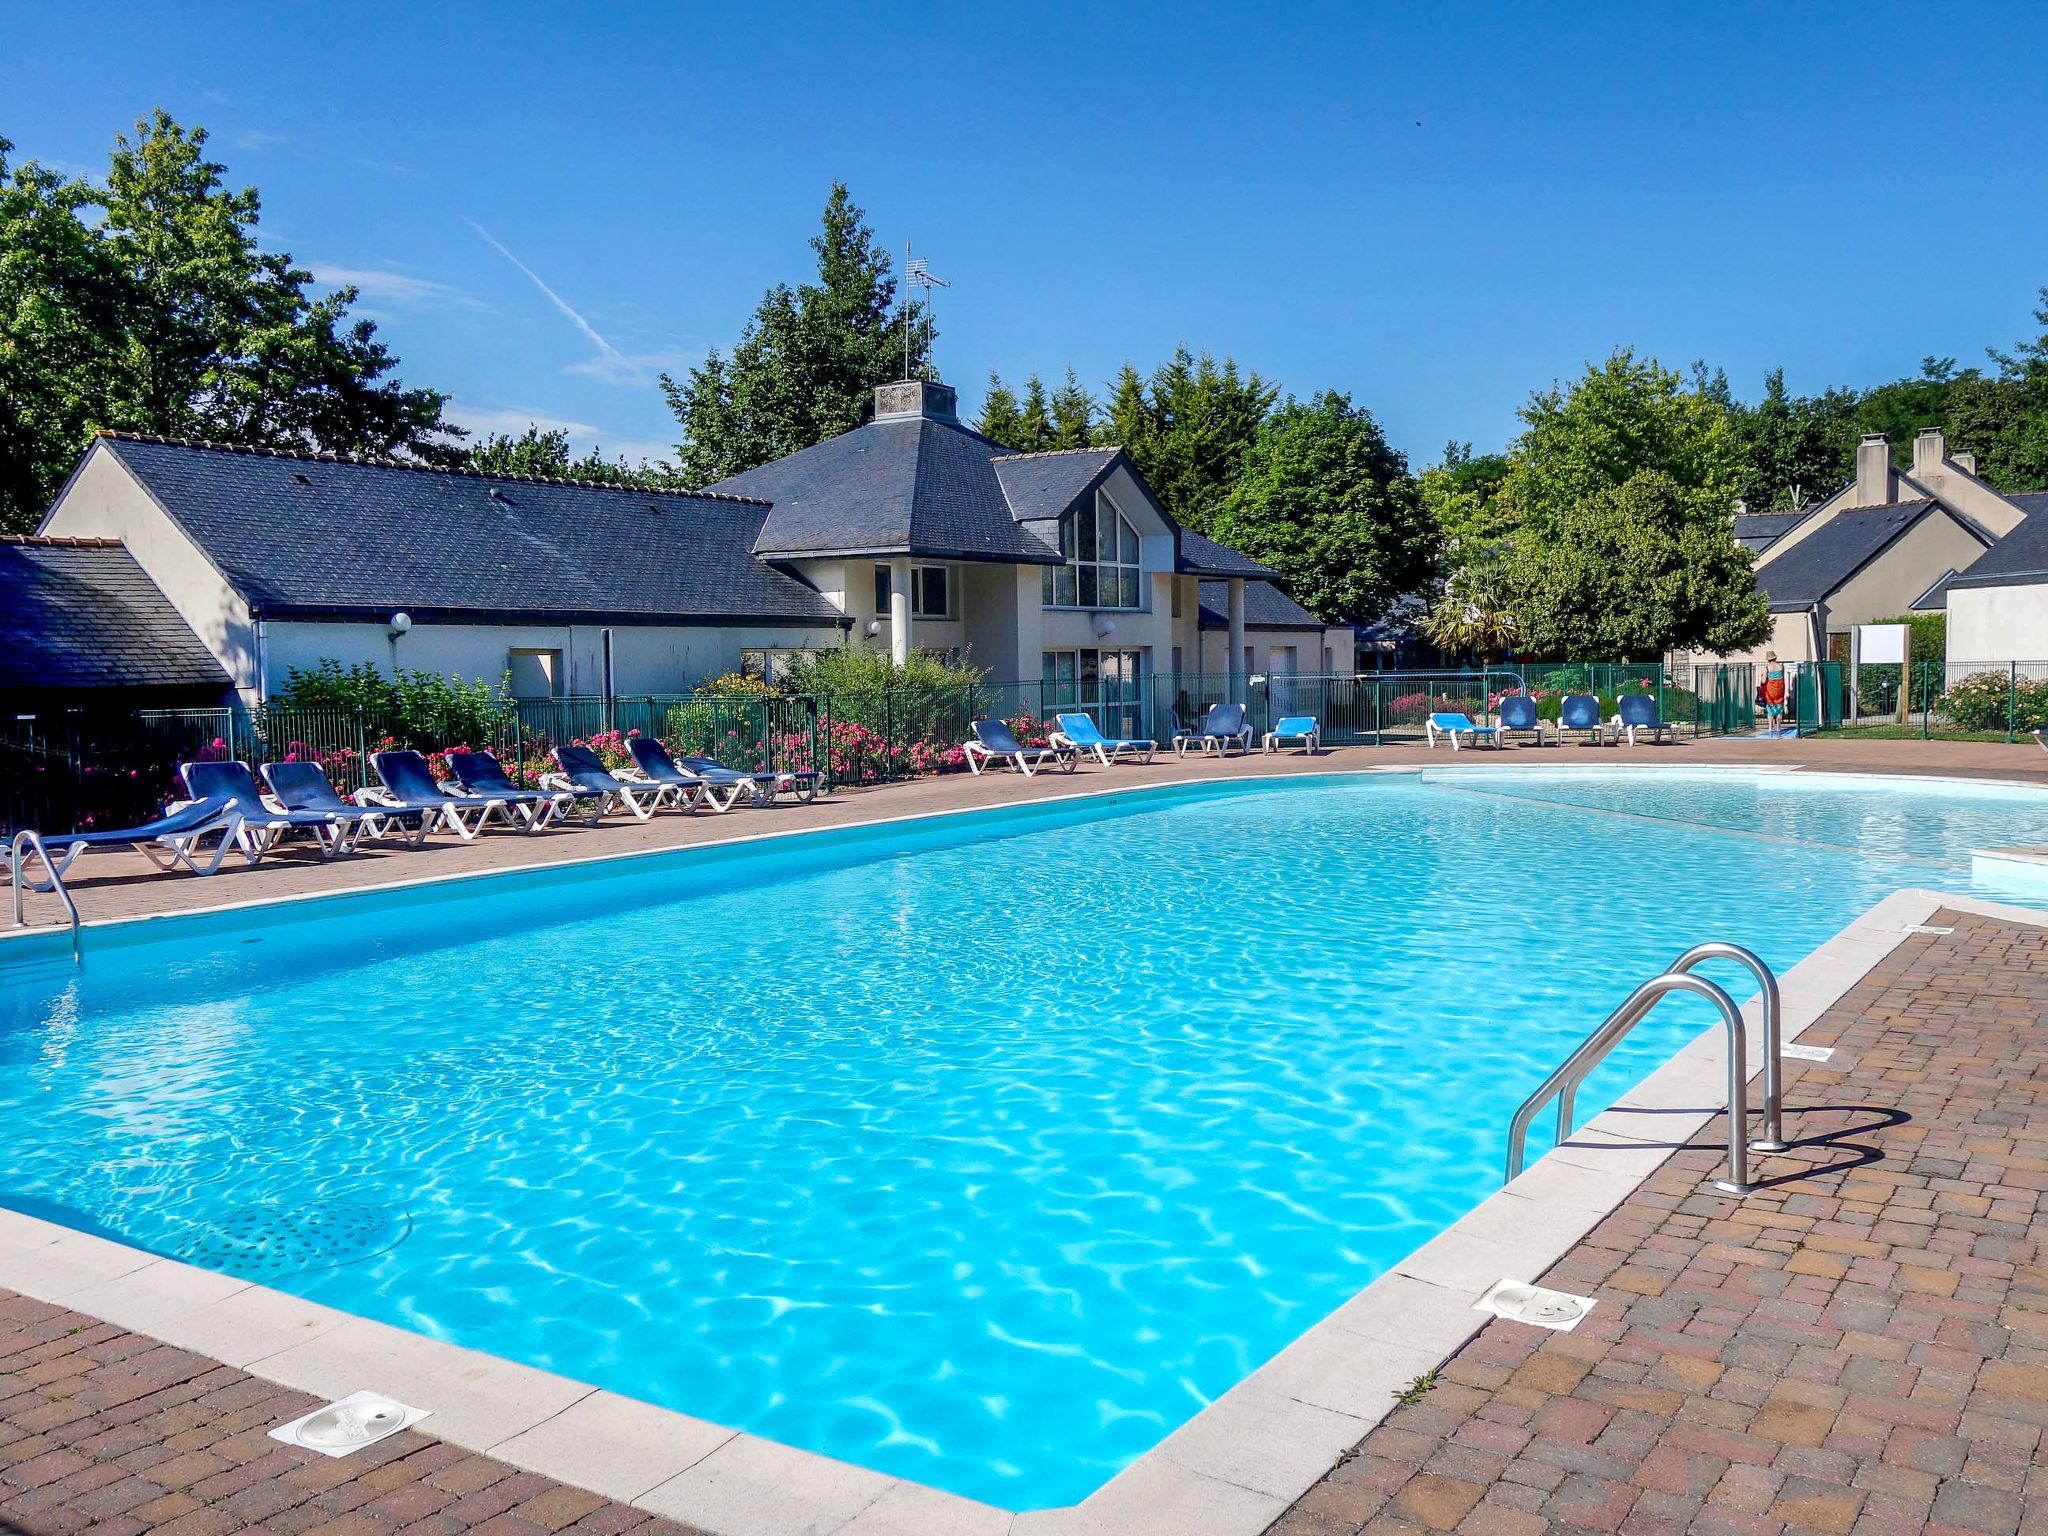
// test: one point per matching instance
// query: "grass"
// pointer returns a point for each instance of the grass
(1417, 1389)
(1912, 733)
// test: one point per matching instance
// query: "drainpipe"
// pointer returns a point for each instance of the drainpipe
(262, 660)
(1236, 668)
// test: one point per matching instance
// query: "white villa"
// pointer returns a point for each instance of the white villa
(909, 532)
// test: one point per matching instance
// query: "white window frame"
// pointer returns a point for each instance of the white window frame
(1062, 585)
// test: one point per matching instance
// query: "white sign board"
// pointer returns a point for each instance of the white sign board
(1880, 643)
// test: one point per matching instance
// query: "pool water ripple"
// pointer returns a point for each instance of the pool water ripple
(982, 1154)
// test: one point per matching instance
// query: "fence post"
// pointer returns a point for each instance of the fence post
(888, 735)
(2012, 697)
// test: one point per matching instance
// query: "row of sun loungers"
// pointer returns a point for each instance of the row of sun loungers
(230, 810)
(1076, 736)
(1578, 715)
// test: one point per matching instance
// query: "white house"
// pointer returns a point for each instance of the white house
(910, 531)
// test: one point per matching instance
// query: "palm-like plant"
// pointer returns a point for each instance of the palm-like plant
(1469, 617)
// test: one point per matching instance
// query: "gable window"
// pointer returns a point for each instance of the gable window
(931, 591)
(1101, 549)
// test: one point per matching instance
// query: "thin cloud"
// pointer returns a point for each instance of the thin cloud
(632, 367)
(484, 420)
(554, 298)
(382, 286)
(258, 138)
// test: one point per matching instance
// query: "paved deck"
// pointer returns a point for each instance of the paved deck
(115, 1434)
(126, 885)
(1860, 1349)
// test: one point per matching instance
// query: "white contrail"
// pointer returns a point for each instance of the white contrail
(554, 298)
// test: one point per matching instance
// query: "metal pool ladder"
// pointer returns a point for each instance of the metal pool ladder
(1563, 1084)
(24, 843)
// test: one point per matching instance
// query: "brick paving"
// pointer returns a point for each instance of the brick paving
(112, 1433)
(116, 885)
(1861, 1349)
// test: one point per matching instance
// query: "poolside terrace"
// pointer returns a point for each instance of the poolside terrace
(119, 885)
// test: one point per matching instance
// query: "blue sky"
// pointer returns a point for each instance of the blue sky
(1435, 207)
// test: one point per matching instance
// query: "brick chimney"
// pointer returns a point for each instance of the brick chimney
(1873, 471)
(914, 398)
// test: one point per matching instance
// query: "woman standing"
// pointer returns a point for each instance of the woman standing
(1773, 694)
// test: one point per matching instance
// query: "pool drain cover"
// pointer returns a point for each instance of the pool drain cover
(1523, 1303)
(275, 1240)
(340, 1429)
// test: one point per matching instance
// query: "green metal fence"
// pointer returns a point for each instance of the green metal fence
(1992, 701)
(78, 768)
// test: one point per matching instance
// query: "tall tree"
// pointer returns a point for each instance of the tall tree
(1795, 449)
(1621, 491)
(806, 366)
(2005, 420)
(1324, 500)
(59, 307)
(1002, 417)
(162, 314)
(1462, 497)
(1188, 428)
(1072, 415)
(1902, 407)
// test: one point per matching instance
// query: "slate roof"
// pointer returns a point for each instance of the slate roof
(314, 535)
(1040, 486)
(912, 485)
(1201, 556)
(80, 613)
(1265, 607)
(2020, 559)
(1758, 531)
(1819, 563)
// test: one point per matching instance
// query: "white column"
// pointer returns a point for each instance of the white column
(1236, 667)
(899, 610)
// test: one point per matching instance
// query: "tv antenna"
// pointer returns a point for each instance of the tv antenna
(918, 274)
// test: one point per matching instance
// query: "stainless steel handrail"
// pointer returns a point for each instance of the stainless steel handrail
(1595, 1047)
(1773, 1138)
(24, 841)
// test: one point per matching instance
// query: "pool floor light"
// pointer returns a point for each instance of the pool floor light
(1520, 1302)
(345, 1427)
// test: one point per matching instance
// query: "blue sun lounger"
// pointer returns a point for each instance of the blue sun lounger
(1079, 731)
(582, 775)
(263, 827)
(168, 842)
(994, 742)
(1518, 717)
(408, 785)
(1223, 724)
(306, 787)
(1301, 728)
(479, 773)
(1580, 712)
(1454, 723)
(1638, 712)
(674, 784)
(762, 787)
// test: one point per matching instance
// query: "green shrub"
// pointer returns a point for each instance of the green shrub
(1989, 701)
(328, 686)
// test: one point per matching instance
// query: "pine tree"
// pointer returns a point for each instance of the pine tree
(1072, 423)
(806, 366)
(1001, 419)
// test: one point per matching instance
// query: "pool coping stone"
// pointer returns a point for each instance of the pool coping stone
(1230, 1470)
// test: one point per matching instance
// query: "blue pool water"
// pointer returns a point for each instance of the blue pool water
(981, 1151)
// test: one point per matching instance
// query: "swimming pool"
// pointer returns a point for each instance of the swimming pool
(981, 1151)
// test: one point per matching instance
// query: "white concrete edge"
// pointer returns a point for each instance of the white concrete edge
(1228, 1471)
(54, 937)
